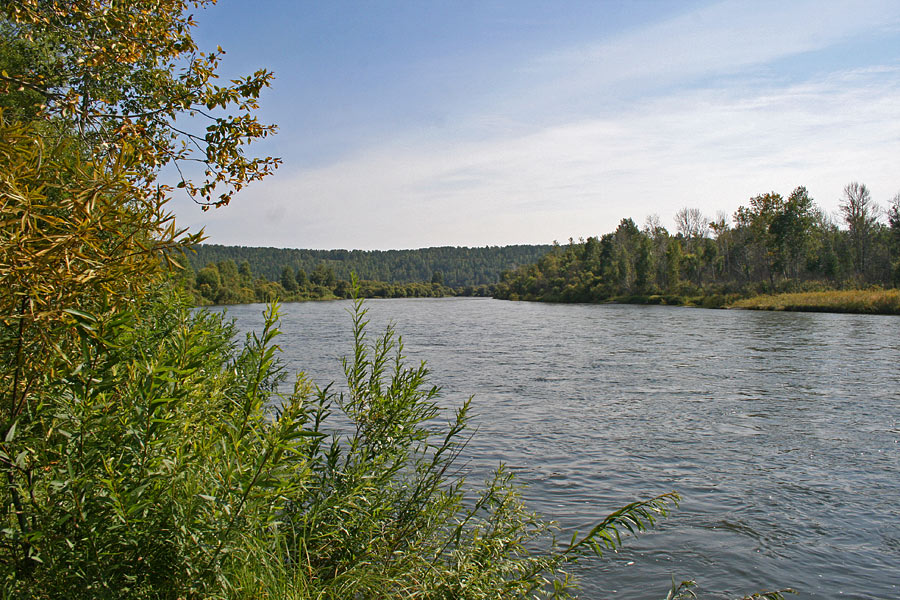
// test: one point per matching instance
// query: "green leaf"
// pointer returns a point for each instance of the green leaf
(11, 433)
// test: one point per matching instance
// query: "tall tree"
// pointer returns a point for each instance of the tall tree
(789, 232)
(97, 97)
(764, 227)
(691, 224)
(860, 213)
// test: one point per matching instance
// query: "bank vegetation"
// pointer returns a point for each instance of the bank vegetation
(772, 245)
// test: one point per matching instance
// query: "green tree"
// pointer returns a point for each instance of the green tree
(302, 279)
(209, 282)
(763, 244)
(323, 275)
(674, 260)
(288, 279)
(789, 232)
(119, 76)
(229, 272)
(244, 270)
(626, 237)
(91, 92)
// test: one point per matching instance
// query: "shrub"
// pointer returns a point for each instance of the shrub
(161, 462)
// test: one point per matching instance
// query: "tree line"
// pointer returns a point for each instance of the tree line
(456, 267)
(772, 244)
(226, 282)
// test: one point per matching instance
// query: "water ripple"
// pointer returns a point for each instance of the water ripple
(780, 430)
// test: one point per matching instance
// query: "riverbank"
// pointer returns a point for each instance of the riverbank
(875, 302)
(868, 302)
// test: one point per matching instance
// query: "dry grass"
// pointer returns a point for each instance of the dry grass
(880, 302)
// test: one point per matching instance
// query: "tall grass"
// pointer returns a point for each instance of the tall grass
(883, 302)
(159, 461)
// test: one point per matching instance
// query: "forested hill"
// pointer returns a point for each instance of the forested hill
(452, 266)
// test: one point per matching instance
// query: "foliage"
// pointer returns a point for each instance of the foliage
(459, 267)
(137, 468)
(774, 245)
(122, 77)
(225, 283)
(91, 95)
(160, 463)
(72, 229)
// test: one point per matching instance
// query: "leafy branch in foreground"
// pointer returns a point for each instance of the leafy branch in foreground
(128, 77)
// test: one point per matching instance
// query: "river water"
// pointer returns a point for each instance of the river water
(780, 430)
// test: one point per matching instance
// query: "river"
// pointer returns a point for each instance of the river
(780, 430)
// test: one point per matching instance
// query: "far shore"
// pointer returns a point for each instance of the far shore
(868, 302)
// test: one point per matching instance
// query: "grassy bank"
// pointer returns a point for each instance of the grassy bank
(873, 302)
(881, 302)
(701, 300)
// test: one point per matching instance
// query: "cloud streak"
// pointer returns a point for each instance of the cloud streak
(577, 172)
(722, 38)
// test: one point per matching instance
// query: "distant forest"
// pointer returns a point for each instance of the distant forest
(458, 267)
(774, 244)
(233, 274)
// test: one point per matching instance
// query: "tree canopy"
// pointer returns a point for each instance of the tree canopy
(772, 244)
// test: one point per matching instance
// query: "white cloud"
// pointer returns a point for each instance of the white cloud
(725, 37)
(577, 175)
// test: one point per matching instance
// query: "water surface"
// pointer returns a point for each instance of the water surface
(780, 430)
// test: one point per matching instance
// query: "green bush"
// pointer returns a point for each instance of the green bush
(161, 462)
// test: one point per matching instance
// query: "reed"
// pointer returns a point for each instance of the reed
(875, 301)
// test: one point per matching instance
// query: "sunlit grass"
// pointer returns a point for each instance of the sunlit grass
(883, 302)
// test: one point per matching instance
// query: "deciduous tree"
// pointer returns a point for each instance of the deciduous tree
(860, 213)
(691, 224)
(128, 78)
(96, 98)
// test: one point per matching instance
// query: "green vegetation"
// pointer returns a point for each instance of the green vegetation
(468, 271)
(775, 245)
(162, 463)
(881, 302)
(227, 283)
(143, 455)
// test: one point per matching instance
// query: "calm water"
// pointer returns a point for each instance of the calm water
(781, 431)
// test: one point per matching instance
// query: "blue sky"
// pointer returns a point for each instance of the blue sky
(415, 124)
